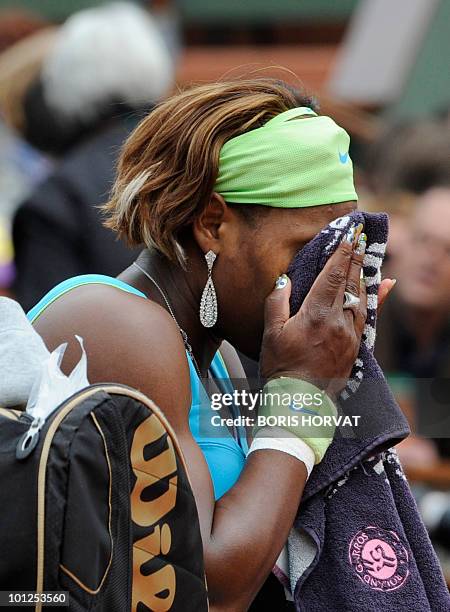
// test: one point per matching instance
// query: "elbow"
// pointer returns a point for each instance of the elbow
(231, 591)
(228, 602)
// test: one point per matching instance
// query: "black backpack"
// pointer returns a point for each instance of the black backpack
(96, 501)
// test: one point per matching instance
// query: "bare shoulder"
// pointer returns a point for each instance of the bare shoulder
(128, 340)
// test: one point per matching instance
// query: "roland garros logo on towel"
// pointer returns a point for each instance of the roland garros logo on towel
(379, 559)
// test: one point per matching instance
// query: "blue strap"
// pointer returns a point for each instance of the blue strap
(221, 376)
(78, 281)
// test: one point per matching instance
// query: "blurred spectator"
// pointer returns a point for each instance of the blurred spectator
(414, 330)
(411, 158)
(105, 60)
(107, 65)
(21, 167)
(400, 206)
(24, 41)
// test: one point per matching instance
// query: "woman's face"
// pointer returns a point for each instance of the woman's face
(252, 256)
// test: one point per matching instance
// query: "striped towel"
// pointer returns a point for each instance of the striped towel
(358, 543)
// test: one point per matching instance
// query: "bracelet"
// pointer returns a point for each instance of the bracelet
(274, 438)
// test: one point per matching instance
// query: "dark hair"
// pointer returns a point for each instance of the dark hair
(47, 130)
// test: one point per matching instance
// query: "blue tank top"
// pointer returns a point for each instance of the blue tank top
(224, 455)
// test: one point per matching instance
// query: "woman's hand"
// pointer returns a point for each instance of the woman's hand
(321, 342)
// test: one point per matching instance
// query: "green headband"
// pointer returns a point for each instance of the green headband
(288, 163)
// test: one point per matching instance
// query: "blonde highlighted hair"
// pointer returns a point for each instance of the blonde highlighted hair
(169, 164)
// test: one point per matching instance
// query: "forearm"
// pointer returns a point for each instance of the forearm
(250, 527)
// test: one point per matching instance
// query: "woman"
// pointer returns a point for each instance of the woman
(186, 194)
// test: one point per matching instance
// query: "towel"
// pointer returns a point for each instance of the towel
(358, 542)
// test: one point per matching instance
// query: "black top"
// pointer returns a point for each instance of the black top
(58, 230)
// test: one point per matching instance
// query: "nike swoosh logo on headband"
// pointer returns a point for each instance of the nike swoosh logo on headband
(343, 157)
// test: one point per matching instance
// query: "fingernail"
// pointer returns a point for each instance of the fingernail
(350, 235)
(394, 282)
(359, 229)
(360, 247)
(281, 282)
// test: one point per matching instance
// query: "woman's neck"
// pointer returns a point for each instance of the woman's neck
(183, 290)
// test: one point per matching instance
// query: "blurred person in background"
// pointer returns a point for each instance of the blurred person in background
(405, 161)
(410, 157)
(404, 166)
(414, 333)
(21, 167)
(107, 66)
(24, 41)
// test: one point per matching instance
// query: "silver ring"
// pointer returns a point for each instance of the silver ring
(350, 300)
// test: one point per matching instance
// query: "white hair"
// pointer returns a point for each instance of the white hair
(108, 53)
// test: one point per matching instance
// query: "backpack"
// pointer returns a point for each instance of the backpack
(96, 501)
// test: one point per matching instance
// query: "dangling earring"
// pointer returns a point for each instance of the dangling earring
(208, 303)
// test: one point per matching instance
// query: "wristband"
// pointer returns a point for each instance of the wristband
(300, 408)
(274, 438)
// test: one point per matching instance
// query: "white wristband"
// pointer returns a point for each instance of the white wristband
(277, 438)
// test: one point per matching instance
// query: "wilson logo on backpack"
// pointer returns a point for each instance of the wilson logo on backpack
(147, 589)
